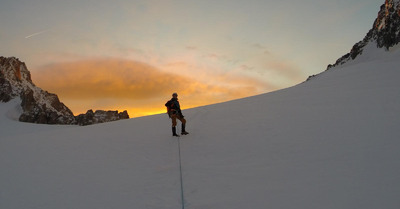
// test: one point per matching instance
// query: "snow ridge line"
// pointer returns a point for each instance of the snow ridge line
(180, 171)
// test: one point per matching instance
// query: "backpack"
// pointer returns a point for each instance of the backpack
(169, 104)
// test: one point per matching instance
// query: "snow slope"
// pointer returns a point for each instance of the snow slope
(331, 142)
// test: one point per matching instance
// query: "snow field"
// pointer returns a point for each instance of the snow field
(332, 142)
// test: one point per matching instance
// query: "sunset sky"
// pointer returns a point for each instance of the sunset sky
(133, 54)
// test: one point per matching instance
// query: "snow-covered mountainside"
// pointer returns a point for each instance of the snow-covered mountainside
(385, 32)
(332, 142)
(39, 106)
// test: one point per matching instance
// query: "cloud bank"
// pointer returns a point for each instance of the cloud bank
(125, 84)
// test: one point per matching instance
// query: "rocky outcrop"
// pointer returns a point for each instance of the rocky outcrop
(40, 106)
(5, 89)
(50, 112)
(387, 26)
(11, 79)
(385, 32)
(100, 116)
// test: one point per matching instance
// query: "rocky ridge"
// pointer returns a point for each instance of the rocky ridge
(40, 106)
(100, 116)
(385, 33)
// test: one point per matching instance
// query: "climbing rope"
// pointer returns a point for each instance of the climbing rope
(180, 171)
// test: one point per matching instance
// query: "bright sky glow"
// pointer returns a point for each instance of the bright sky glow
(131, 54)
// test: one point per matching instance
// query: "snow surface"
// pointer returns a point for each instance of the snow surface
(331, 142)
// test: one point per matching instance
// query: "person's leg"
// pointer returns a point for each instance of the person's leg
(173, 118)
(183, 121)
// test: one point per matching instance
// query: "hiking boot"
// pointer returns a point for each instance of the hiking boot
(174, 132)
(184, 132)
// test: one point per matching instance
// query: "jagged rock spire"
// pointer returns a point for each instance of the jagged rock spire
(386, 29)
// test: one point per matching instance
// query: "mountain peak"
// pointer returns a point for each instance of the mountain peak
(386, 27)
(385, 32)
(40, 106)
(14, 75)
(385, 14)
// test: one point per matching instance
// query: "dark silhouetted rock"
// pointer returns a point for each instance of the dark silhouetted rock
(5, 89)
(100, 116)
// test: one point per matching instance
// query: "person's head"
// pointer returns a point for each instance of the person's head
(175, 95)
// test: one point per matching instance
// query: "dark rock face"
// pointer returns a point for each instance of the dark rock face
(385, 32)
(85, 119)
(387, 25)
(100, 116)
(10, 79)
(5, 89)
(37, 112)
(40, 106)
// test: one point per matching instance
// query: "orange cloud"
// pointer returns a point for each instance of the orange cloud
(110, 83)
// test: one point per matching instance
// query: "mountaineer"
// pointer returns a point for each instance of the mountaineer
(174, 112)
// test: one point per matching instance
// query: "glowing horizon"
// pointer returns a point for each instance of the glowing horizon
(118, 84)
(124, 54)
